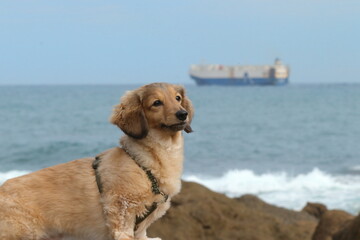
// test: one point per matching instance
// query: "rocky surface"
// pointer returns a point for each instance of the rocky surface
(198, 213)
(333, 224)
(315, 209)
(330, 223)
(351, 230)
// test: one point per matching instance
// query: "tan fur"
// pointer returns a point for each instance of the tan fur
(63, 201)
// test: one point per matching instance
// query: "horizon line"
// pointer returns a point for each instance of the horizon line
(132, 84)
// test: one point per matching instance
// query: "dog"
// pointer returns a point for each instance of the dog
(115, 195)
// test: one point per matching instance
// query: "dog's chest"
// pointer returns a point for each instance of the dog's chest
(170, 172)
(163, 158)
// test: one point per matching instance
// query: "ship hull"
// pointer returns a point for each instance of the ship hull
(240, 81)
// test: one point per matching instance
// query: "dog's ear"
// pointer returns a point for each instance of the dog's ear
(186, 103)
(129, 116)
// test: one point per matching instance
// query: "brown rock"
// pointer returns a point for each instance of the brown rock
(315, 209)
(198, 213)
(351, 231)
(330, 223)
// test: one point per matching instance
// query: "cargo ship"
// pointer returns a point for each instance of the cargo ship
(217, 74)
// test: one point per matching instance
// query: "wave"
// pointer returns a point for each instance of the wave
(11, 174)
(290, 191)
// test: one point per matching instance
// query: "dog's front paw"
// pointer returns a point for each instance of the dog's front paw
(126, 238)
(123, 236)
(146, 238)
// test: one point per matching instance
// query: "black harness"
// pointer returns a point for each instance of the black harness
(154, 188)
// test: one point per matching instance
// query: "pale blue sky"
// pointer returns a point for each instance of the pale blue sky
(109, 42)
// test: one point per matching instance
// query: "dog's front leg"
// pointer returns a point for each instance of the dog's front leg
(120, 218)
(140, 233)
(121, 226)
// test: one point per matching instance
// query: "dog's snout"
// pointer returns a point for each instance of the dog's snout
(181, 115)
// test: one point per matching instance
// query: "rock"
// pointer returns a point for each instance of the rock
(198, 213)
(351, 230)
(330, 223)
(315, 209)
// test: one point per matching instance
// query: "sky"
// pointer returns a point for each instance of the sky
(125, 42)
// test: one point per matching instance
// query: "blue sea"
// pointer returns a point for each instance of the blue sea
(287, 145)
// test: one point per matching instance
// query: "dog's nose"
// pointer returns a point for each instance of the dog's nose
(181, 115)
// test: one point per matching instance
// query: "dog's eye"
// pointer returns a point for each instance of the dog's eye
(178, 98)
(157, 103)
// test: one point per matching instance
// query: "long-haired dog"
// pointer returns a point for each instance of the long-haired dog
(115, 195)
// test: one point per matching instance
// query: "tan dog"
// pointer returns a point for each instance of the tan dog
(118, 195)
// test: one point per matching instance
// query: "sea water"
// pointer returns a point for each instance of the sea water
(288, 145)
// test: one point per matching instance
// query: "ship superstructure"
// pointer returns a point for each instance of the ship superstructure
(217, 74)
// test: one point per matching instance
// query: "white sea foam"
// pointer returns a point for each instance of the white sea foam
(11, 174)
(289, 191)
(355, 168)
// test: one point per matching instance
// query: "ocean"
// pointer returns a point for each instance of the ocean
(288, 145)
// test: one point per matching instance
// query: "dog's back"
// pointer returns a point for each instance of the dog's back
(63, 196)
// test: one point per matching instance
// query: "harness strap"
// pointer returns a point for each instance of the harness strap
(95, 166)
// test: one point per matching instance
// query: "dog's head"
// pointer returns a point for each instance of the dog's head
(160, 106)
